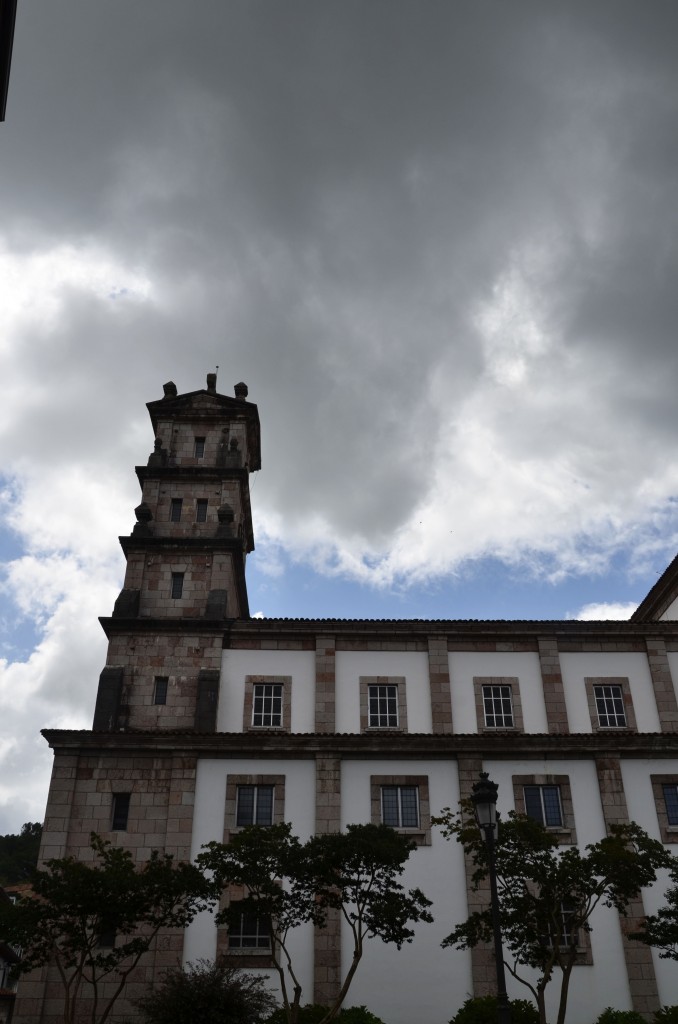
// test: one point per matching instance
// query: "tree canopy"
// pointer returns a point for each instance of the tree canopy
(95, 920)
(547, 894)
(661, 929)
(19, 854)
(289, 883)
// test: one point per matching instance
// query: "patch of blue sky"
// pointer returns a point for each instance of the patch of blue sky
(19, 634)
(484, 589)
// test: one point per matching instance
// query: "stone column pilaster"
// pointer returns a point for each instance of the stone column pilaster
(325, 679)
(327, 941)
(552, 680)
(638, 957)
(483, 966)
(662, 682)
(439, 678)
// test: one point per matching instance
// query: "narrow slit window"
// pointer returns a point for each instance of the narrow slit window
(177, 585)
(199, 447)
(120, 812)
(175, 510)
(160, 690)
(201, 510)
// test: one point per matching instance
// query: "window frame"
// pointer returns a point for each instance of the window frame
(233, 782)
(399, 682)
(120, 808)
(421, 835)
(258, 790)
(177, 584)
(199, 447)
(591, 682)
(257, 949)
(667, 831)
(584, 953)
(201, 507)
(251, 682)
(565, 833)
(160, 690)
(479, 683)
(176, 509)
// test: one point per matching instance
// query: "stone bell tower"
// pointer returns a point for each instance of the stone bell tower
(185, 574)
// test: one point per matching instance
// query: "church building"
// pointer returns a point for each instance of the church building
(207, 720)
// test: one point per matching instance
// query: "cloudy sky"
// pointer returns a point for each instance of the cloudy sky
(438, 240)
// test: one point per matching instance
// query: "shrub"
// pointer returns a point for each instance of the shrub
(483, 1010)
(611, 1016)
(361, 1015)
(313, 1013)
(666, 1015)
(209, 994)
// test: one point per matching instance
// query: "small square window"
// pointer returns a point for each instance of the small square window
(400, 806)
(160, 690)
(201, 510)
(254, 805)
(120, 812)
(106, 939)
(610, 706)
(175, 510)
(543, 804)
(177, 584)
(199, 447)
(382, 707)
(249, 931)
(267, 705)
(498, 707)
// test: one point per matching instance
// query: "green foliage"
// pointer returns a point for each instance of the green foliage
(612, 1016)
(537, 879)
(483, 1010)
(661, 929)
(289, 884)
(210, 994)
(19, 854)
(73, 904)
(358, 1015)
(666, 1015)
(314, 1013)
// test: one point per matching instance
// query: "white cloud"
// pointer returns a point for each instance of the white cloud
(605, 611)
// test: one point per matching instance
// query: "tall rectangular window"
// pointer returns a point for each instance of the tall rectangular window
(120, 811)
(267, 705)
(201, 510)
(177, 584)
(498, 707)
(382, 706)
(160, 690)
(175, 510)
(609, 700)
(543, 804)
(199, 447)
(400, 806)
(254, 805)
(671, 802)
